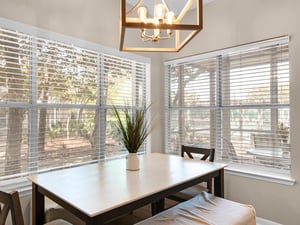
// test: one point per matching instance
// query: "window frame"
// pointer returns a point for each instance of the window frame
(233, 168)
(33, 106)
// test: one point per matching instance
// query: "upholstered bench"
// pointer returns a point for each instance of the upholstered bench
(205, 209)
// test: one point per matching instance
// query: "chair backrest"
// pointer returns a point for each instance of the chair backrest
(10, 202)
(204, 152)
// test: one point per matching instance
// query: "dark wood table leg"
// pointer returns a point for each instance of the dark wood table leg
(158, 206)
(219, 184)
(38, 206)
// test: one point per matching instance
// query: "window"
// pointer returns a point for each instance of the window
(236, 101)
(56, 100)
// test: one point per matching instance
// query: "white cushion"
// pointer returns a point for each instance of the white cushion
(205, 209)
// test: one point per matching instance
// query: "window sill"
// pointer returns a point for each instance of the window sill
(255, 172)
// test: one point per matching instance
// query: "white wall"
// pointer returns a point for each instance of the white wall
(226, 23)
(234, 22)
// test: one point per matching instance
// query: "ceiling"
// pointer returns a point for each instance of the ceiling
(174, 5)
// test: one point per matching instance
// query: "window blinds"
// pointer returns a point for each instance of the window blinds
(254, 108)
(192, 102)
(56, 100)
(235, 100)
(124, 81)
(124, 85)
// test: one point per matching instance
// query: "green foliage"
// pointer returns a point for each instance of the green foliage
(54, 131)
(87, 129)
(111, 130)
(134, 129)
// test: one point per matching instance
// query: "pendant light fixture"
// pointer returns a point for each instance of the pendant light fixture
(153, 26)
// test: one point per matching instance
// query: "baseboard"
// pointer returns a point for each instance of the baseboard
(261, 221)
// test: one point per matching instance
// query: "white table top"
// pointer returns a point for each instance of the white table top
(99, 187)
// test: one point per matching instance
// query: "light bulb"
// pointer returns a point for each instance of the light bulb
(160, 11)
(169, 17)
(169, 20)
(142, 13)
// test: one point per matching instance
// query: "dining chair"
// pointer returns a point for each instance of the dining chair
(193, 152)
(10, 202)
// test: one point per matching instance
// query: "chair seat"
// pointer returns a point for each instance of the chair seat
(205, 209)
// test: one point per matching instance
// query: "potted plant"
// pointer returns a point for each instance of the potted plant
(133, 128)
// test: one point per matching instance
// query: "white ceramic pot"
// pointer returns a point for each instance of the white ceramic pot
(132, 162)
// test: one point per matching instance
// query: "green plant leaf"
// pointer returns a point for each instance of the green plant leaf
(133, 127)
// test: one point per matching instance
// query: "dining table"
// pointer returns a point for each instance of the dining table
(102, 191)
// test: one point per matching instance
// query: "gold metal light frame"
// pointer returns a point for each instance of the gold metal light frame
(177, 27)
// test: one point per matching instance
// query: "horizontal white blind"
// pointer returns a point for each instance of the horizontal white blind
(124, 81)
(192, 102)
(259, 76)
(124, 85)
(255, 107)
(56, 103)
(191, 83)
(235, 100)
(66, 73)
(15, 50)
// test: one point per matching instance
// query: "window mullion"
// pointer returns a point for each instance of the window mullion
(218, 114)
(167, 108)
(101, 110)
(33, 110)
(274, 89)
(181, 100)
(224, 88)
